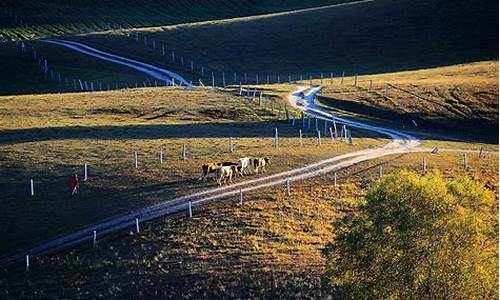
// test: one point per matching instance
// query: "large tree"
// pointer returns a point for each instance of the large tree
(418, 237)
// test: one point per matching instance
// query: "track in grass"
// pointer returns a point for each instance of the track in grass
(169, 77)
(401, 143)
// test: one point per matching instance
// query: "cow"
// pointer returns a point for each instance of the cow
(208, 169)
(236, 170)
(259, 164)
(223, 173)
(244, 164)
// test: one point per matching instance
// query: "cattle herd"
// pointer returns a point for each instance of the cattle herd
(226, 171)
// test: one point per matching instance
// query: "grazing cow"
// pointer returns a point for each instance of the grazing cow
(207, 169)
(244, 164)
(259, 164)
(236, 169)
(223, 173)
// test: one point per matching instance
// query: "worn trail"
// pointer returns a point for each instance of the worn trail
(400, 143)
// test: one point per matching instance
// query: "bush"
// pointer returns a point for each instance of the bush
(418, 237)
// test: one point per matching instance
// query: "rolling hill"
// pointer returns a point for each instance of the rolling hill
(364, 38)
(34, 19)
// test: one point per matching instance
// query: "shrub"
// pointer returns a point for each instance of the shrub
(418, 237)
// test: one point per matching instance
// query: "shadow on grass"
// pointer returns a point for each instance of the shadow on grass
(265, 129)
(444, 128)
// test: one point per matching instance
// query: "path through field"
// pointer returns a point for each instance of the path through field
(147, 69)
(401, 143)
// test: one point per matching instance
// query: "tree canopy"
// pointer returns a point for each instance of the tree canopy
(418, 237)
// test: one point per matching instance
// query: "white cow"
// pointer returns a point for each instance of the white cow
(245, 164)
(225, 172)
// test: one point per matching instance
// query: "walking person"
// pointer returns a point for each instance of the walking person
(73, 183)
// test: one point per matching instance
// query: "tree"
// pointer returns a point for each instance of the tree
(418, 237)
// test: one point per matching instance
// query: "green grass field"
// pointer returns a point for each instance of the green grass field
(23, 75)
(364, 38)
(386, 37)
(35, 19)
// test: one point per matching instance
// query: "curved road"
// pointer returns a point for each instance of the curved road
(145, 68)
(401, 143)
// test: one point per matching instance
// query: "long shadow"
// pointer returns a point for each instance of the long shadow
(264, 129)
(445, 128)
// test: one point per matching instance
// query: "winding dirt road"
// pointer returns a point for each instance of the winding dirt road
(400, 143)
(145, 68)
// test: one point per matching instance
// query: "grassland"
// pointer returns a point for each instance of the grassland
(455, 101)
(386, 37)
(24, 75)
(270, 246)
(35, 19)
(365, 38)
(49, 137)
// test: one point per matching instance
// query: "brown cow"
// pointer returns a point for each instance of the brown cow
(211, 168)
(260, 164)
(207, 169)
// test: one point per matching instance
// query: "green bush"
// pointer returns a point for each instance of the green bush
(418, 237)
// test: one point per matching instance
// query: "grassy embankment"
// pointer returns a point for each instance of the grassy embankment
(268, 247)
(49, 137)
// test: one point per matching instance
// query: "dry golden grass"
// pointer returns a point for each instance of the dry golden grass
(460, 100)
(268, 247)
(50, 137)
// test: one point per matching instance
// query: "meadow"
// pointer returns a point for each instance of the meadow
(36, 19)
(269, 246)
(428, 68)
(453, 102)
(388, 36)
(49, 137)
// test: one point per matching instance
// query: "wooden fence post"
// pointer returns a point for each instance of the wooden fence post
(85, 172)
(27, 263)
(276, 138)
(32, 187)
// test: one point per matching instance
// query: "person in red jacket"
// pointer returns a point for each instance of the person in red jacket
(73, 183)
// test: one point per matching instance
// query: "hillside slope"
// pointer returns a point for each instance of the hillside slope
(33, 19)
(367, 37)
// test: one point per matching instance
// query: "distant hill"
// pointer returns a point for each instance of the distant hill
(30, 19)
(369, 37)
